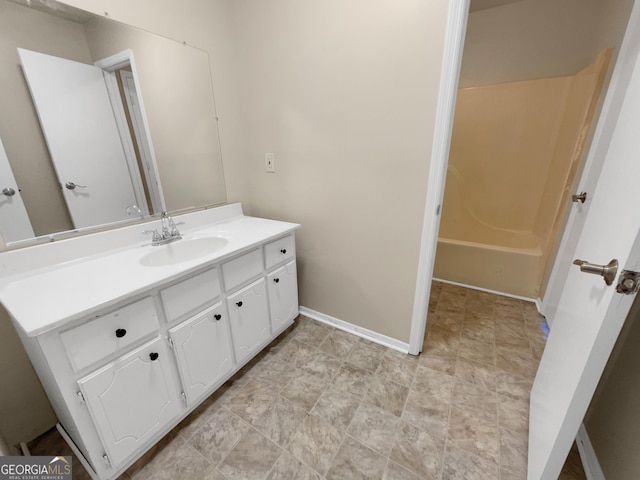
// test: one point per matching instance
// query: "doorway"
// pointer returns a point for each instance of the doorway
(433, 203)
(523, 118)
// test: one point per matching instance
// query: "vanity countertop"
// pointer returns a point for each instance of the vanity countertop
(45, 298)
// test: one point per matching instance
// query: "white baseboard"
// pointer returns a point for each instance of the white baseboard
(588, 455)
(538, 302)
(354, 329)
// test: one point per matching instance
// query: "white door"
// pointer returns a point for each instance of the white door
(590, 314)
(614, 98)
(14, 221)
(77, 120)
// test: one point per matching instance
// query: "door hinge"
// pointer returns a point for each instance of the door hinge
(170, 340)
(81, 397)
(107, 462)
(628, 283)
(184, 398)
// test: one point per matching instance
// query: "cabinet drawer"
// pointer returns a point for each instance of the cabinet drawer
(242, 269)
(109, 333)
(279, 251)
(190, 295)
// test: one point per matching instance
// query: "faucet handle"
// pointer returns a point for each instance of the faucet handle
(156, 235)
(173, 226)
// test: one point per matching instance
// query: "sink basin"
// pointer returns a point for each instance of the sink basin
(182, 251)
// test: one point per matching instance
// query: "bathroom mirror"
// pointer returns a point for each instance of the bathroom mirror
(173, 81)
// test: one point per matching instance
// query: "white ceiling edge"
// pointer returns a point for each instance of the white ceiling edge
(58, 9)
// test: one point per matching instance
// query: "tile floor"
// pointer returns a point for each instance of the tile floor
(320, 403)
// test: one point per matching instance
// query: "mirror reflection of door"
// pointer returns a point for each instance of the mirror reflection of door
(135, 119)
(92, 153)
(13, 215)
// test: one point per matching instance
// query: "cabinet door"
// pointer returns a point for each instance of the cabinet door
(132, 399)
(249, 316)
(283, 295)
(203, 350)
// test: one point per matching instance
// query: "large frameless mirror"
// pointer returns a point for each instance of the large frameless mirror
(102, 123)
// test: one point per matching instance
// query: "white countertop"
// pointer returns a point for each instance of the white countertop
(45, 298)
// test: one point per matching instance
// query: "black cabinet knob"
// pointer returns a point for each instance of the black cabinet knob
(217, 316)
(239, 304)
(283, 251)
(120, 332)
(276, 280)
(153, 356)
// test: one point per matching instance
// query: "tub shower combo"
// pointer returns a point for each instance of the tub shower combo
(515, 152)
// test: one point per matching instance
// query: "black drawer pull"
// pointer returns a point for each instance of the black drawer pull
(283, 251)
(153, 356)
(239, 304)
(120, 332)
(217, 316)
(277, 280)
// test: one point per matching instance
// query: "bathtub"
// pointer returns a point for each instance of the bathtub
(515, 270)
(515, 148)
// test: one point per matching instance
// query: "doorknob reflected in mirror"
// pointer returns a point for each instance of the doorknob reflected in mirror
(582, 197)
(8, 191)
(608, 272)
(72, 186)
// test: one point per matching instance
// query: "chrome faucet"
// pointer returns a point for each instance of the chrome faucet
(168, 231)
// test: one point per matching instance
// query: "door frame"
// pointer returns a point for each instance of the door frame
(455, 32)
(136, 114)
(110, 65)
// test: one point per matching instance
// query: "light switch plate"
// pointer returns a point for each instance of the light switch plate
(270, 162)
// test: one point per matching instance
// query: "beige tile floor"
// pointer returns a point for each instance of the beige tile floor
(320, 403)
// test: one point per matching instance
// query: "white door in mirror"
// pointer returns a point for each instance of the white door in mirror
(13, 215)
(82, 136)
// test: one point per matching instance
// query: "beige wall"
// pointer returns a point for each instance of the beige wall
(530, 39)
(344, 94)
(613, 418)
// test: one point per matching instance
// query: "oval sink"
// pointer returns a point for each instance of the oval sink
(182, 251)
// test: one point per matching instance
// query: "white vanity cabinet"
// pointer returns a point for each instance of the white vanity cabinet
(121, 378)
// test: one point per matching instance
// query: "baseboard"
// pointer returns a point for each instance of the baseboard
(495, 292)
(588, 456)
(356, 330)
(538, 302)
